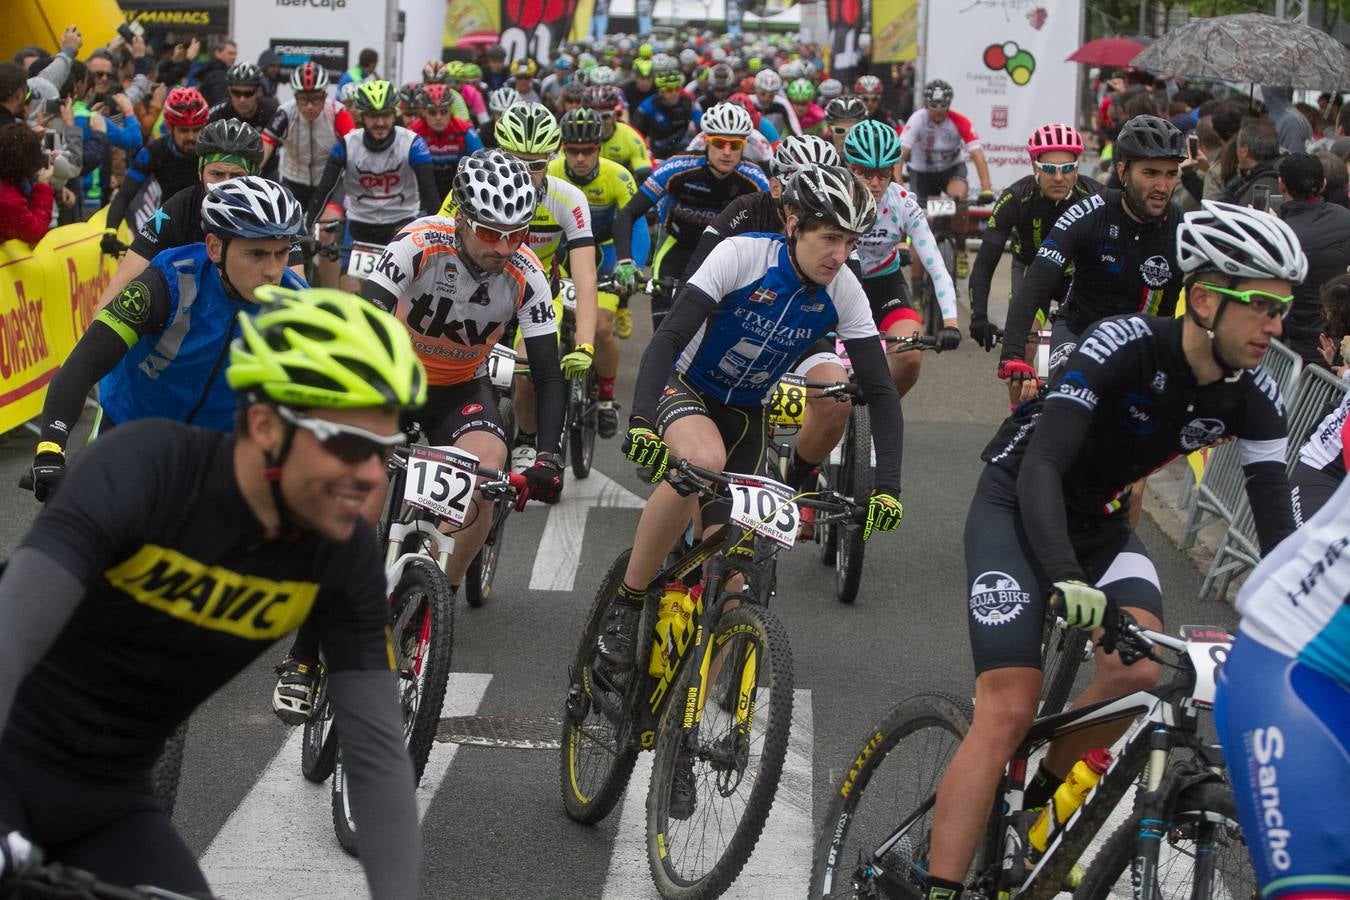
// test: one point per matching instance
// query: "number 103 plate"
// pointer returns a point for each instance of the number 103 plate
(765, 506)
(441, 480)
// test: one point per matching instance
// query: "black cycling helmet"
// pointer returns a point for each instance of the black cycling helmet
(244, 73)
(1150, 137)
(831, 194)
(845, 109)
(938, 93)
(231, 137)
(582, 126)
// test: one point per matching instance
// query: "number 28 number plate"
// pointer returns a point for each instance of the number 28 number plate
(788, 403)
(765, 506)
(440, 480)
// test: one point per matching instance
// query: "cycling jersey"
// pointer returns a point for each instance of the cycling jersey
(1120, 265)
(1323, 450)
(690, 194)
(757, 213)
(384, 187)
(628, 148)
(447, 147)
(606, 193)
(780, 114)
(177, 223)
(262, 116)
(562, 216)
(177, 323)
(305, 146)
(899, 216)
(452, 312)
(1125, 404)
(1024, 214)
(937, 146)
(667, 128)
(160, 159)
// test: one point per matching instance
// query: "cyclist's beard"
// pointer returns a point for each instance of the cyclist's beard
(1136, 199)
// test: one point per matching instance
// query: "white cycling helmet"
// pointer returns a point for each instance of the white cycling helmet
(251, 207)
(727, 119)
(495, 189)
(347, 94)
(602, 75)
(767, 80)
(1240, 242)
(796, 153)
(500, 100)
(830, 88)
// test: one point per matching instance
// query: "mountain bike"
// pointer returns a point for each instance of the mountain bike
(32, 878)
(427, 485)
(940, 211)
(734, 653)
(1182, 836)
(580, 422)
(502, 368)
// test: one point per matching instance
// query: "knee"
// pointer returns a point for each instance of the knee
(829, 413)
(1002, 721)
(906, 365)
(1123, 679)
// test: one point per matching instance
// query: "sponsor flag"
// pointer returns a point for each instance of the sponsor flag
(895, 30)
(847, 20)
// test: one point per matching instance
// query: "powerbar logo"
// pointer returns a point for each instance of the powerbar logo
(322, 4)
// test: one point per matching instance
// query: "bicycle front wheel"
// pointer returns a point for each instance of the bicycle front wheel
(731, 759)
(318, 746)
(857, 462)
(879, 820)
(423, 614)
(585, 412)
(478, 579)
(1201, 856)
(169, 767)
(1063, 650)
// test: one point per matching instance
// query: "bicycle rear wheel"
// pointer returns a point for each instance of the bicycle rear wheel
(1202, 855)
(169, 767)
(585, 399)
(318, 747)
(478, 579)
(737, 757)
(599, 746)
(896, 771)
(857, 463)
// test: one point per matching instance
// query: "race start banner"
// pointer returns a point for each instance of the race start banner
(1005, 60)
(535, 27)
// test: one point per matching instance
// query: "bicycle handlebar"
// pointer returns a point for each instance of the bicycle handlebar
(684, 473)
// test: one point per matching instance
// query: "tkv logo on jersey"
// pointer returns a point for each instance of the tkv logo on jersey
(247, 606)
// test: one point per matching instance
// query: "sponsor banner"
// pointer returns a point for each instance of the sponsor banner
(1008, 71)
(50, 294)
(467, 20)
(206, 17)
(847, 20)
(536, 28)
(40, 22)
(332, 55)
(895, 30)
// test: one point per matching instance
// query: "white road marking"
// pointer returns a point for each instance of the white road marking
(559, 552)
(780, 865)
(279, 842)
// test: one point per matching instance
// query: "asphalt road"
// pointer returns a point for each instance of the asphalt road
(494, 824)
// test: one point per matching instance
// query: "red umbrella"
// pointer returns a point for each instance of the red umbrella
(478, 39)
(1110, 51)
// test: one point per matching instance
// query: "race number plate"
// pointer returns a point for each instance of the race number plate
(787, 406)
(765, 506)
(363, 260)
(941, 206)
(440, 480)
(568, 292)
(501, 366)
(1208, 648)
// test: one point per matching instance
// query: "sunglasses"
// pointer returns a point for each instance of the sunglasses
(884, 172)
(489, 235)
(314, 99)
(1271, 305)
(932, 105)
(99, 76)
(840, 130)
(726, 143)
(234, 93)
(536, 166)
(1056, 168)
(347, 443)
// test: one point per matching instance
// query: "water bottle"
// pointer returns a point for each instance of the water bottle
(1082, 778)
(672, 621)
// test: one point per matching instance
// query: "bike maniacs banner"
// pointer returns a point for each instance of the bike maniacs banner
(537, 26)
(1005, 60)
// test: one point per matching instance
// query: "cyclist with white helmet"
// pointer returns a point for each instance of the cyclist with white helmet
(690, 190)
(720, 85)
(666, 119)
(1048, 520)
(938, 141)
(1025, 212)
(872, 151)
(773, 104)
(155, 349)
(175, 556)
(759, 147)
(868, 89)
(830, 89)
(499, 101)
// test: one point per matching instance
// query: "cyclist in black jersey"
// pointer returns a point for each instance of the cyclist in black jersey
(247, 104)
(173, 557)
(1024, 212)
(1121, 244)
(170, 160)
(1047, 521)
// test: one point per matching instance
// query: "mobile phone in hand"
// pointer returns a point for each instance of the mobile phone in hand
(1261, 197)
(1193, 146)
(51, 107)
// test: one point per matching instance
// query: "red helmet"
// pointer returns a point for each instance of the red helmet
(434, 95)
(185, 107)
(1052, 137)
(603, 98)
(309, 76)
(750, 106)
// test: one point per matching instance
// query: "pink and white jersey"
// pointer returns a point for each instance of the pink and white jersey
(935, 147)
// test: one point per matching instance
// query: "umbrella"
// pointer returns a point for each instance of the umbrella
(1109, 51)
(478, 39)
(1251, 47)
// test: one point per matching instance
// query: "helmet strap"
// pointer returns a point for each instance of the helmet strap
(230, 290)
(272, 465)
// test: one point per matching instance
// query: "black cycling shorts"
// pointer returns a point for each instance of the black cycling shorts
(933, 184)
(1007, 588)
(1310, 489)
(452, 411)
(888, 295)
(114, 829)
(744, 431)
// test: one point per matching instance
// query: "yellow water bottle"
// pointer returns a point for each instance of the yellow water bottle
(1082, 778)
(672, 620)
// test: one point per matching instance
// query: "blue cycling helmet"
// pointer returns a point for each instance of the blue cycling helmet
(872, 144)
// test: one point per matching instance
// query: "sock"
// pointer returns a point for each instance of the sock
(942, 889)
(799, 472)
(631, 596)
(606, 386)
(1041, 788)
(524, 439)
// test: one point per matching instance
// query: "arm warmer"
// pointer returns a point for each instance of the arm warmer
(550, 390)
(632, 211)
(888, 423)
(1268, 492)
(332, 171)
(982, 272)
(706, 242)
(690, 309)
(98, 350)
(1040, 489)
(37, 597)
(380, 778)
(1037, 286)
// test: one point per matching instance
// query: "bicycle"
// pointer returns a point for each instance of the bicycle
(1185, 800)
(426, 485)
(312, 248)
(581, 416)
(940, 209)
(733, 651)
(33, 878)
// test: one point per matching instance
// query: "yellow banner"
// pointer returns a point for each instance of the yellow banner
(581, 21)
(48, 296)
(895, 30)
(41, 22)
(471, 19)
